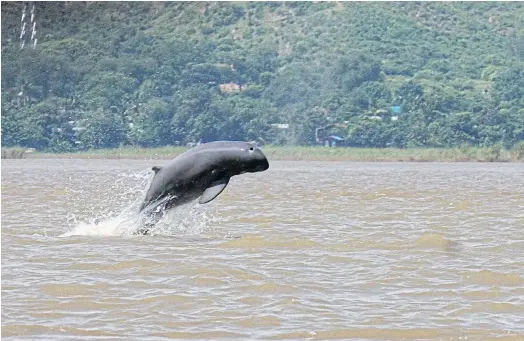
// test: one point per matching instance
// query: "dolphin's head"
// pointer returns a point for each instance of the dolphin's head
(246, 157)
(252, 159)
(235, 157)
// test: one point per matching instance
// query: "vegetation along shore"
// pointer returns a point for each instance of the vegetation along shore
(360, 74)
(292, 153)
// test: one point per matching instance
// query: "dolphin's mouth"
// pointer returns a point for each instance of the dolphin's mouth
(262, 167)
(258, 168)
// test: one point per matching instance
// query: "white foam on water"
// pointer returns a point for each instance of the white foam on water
(187, 219)
(113, 226)
(107, 223)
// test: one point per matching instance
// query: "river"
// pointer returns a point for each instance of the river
(305, 250)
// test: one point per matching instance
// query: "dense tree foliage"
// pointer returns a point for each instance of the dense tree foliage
(104, 74)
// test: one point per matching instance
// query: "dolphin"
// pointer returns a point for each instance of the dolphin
(201, 172)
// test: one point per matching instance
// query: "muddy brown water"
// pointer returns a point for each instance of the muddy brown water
(305, 250)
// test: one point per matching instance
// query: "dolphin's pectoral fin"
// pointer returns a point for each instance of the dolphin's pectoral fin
(214, 189)
(156, 169)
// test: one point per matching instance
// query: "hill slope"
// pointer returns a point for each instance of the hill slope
(104, 74)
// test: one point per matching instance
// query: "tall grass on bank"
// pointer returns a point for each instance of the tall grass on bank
(294, 153)
(16, 152)
(459, 154)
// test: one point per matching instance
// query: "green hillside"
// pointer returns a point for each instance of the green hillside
(106, 74)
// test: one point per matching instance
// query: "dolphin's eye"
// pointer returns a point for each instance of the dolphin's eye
(251, 149)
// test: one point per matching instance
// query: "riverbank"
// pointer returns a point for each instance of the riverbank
(462, 154)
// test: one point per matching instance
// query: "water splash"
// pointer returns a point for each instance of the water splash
(187, 219)
(112, 226)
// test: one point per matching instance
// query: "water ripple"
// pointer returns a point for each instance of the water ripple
(303, 251)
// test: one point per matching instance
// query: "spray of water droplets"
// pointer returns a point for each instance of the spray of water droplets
(110, 217)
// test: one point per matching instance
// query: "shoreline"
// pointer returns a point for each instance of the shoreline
(316, 153)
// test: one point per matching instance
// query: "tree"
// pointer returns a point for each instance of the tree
(103, 129)
(349, 72)
(154, 73)
(509, 85)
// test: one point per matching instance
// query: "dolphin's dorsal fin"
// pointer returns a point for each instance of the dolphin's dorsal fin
(156, 169)
(213, 190)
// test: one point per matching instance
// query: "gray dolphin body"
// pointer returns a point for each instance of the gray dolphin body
(201, 172)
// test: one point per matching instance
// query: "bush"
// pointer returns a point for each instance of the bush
(519, 150)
